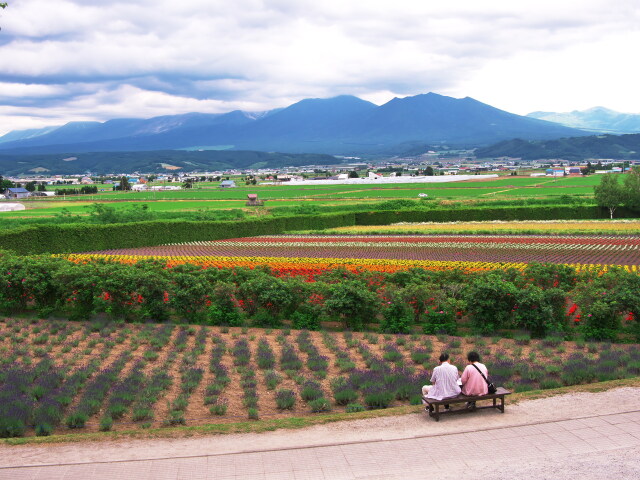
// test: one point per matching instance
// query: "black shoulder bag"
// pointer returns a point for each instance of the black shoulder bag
(492, 388)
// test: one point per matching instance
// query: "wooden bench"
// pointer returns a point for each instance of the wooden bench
(433, 406)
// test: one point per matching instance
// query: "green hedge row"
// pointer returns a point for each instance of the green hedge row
(551, 212)
(84, 238)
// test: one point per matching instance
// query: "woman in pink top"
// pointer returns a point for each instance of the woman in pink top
(472, 381)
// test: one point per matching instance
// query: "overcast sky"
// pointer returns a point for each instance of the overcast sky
(67, 60)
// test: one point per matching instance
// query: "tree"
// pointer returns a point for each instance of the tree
(609, 193)
(124, 184)
(4, 184)
(632, 188)
(353, 174)
(429, 171)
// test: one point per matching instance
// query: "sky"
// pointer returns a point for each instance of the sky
(79, 60)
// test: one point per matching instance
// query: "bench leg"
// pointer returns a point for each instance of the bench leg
(494, 403)
(437, 413)
(501, 404)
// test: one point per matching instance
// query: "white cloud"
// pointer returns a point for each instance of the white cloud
(163, 57)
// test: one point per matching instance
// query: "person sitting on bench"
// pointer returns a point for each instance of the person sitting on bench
(473, 383)
(444, 381)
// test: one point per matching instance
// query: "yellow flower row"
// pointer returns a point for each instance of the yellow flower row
(285, 263)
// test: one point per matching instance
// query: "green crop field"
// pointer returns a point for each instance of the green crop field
(207, 196)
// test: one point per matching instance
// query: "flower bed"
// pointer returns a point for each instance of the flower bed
(308, 255)
(44, 395)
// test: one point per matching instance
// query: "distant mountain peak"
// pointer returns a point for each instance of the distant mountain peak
(595, 119)
(344, 124)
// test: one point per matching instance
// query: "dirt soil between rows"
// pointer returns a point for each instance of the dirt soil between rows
(556, 408)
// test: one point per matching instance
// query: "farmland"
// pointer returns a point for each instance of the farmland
(61, 377)
(391, 253)
(209, 196)
(281, 326)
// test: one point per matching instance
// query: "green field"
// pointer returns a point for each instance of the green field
(210, 197)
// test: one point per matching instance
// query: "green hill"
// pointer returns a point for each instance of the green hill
(623, 147)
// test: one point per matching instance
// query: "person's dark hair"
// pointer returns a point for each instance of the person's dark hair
(473, 357)
(444, 357)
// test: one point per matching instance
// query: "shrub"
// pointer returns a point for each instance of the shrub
(285, 399)
(43, 430)
(305, 321)
(397, 317)
(176, 417)
(268, 296)
(378, 399)
(224, 309)
(77, 420)
(117, 410)
(252, 413)
(219, 409)
(345, 365)
(265, 319)
(180, 403)
(142, 413)
(351, 301)
(420, 355)
(311, 391)
(391, 353)
(150, 356)
(106, 423)
(601, 320)
(523, 387)
(438, 321)
(345, 396)
(272, 379)
(320, 405)
(551, 275)
(549, 383)
(540, 310)
(11, 427)
(265, 357)
(289, 360)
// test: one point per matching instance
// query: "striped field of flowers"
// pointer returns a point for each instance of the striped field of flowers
(312, 254)
(601, 227)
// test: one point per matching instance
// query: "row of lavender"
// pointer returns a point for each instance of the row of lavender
(46, 393)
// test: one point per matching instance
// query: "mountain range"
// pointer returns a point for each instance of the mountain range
(344, 125)
(620, 147)
(163, 161)
(597, 119)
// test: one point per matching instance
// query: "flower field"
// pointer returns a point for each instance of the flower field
(557, 227)
(62, 377)
(306, 254)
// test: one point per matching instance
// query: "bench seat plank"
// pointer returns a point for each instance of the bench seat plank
(435, 412)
